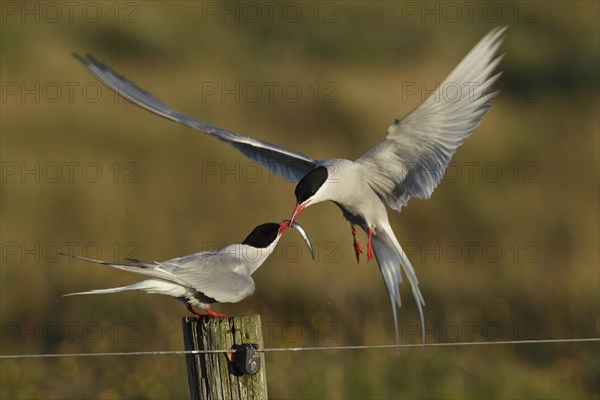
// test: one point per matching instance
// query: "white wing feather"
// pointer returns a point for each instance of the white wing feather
(221, 274)
(153, 269)
(291, 164)
(204, 273)
(412, 158)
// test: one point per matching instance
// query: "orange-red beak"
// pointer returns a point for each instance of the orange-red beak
(283, 226)
(297, 211)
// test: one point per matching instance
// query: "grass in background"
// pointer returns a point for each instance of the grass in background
(157, 197)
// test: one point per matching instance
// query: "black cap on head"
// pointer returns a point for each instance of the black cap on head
(308, 186)
(263, 235)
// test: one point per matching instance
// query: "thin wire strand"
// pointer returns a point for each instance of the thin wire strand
(295, 349)
(444, 344)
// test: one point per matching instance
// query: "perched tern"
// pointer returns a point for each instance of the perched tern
(202, 279)
(409, 162)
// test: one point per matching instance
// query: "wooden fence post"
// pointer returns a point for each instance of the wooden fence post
(214, 376)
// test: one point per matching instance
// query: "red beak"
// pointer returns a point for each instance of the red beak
(283, 226)
(297, 211)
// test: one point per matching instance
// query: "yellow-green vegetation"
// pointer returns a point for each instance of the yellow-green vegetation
(506, 248)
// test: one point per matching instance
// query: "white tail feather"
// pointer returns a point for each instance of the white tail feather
(135, 286)
(391, 257)
(149, 286)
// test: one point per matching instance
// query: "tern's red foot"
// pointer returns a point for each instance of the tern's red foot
(369, 248)
(196, 315)
(216, 314)
(357, 248)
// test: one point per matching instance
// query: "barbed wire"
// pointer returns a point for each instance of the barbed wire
(296, 349)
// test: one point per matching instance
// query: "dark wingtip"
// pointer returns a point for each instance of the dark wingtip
(82, 59)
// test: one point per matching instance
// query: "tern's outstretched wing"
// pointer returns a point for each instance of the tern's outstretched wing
(291, 164)
(410, 161)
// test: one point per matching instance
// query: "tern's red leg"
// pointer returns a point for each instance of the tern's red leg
(357, 248)
(216, 314)
(369, 248)
(196, 315)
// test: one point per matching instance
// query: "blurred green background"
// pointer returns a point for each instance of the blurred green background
(506, 248)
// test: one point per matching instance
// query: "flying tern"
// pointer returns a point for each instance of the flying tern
(202, 279)
(409, 162)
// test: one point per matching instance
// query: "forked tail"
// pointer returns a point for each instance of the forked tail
(144, 285)
(391, 257)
